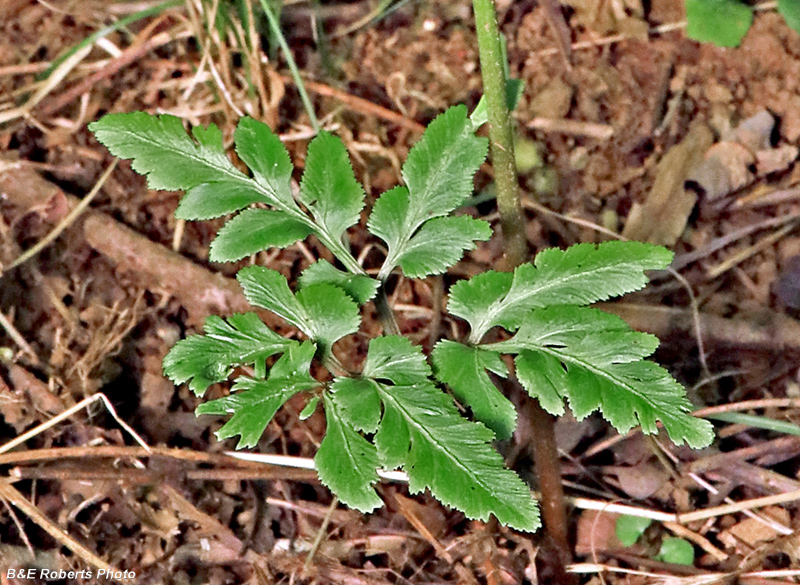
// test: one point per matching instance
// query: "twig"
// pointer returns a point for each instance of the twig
(67, 221)
(360, 105)
(320, 533)
(48, 86)
(69, 412)
(128, 56)
(743, 255)
(10, 494)
(15, 335)
(572, 128)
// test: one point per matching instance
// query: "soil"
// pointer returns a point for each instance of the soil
(608, 137)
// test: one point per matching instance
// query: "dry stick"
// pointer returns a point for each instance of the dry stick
(67, 221)
(48, 85)
(10, 494)
(743, 255)
(69, 412)
(128, 56)
(16, 336)
(360, 105)
(320, 534)
(572, 128)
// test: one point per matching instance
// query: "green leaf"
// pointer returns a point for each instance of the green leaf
(472, 299)
(263, 152)
(440, 167)
(463, 368)
(594, 360)
(387, 220)
(358, 400)
(515, 88)
(676, 551)
(254, 230)
(162, 150)
(309, 408)
(451, 456)
(722, 22)
(630, 528)
(438, 174)
(206, 359)
(332, 314)
(790, 9)
(346, 462)
(580, 275)
(440, 243)
(324, 312)
(254, 402)
(395, 358)
(329, 188)
(210, 200)
(360, 288)
(268, 289)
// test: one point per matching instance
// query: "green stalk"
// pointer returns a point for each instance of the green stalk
(501, 134)
(515, 246)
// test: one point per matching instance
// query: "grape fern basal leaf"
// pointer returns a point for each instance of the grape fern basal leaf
(392, 414)
(422, 430)
(203, 360)
(463, 368)
(346, 462)
(253, 402)
(438, 174)
(580, 275)
(595, 361)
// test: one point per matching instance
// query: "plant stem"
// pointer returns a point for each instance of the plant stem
(501, 134)
(515, 246)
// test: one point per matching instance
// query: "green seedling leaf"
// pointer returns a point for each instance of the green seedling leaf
(324, 312)
(331, 313)
(203, 360)
(268, 289)
(594, 359)
(676, 551)
(329, 188)
(463, 368)
(161, 150)
(360, 288)
(210, 200)
(790, 9)
(630, 528)
(438, 174)
(440, 243)
(580, 275)
(359, 402)
(722, 22)
(514, 90)
(253, 402)
(266, 156)
(309, 408)
(395, 358)
(346, 462)
(442, 451)
(254, 230)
